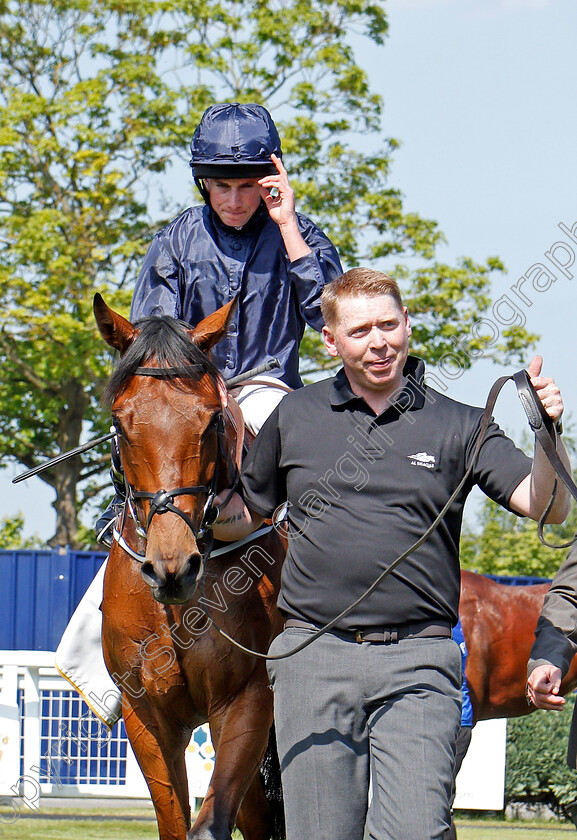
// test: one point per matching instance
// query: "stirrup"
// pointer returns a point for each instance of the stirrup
(105, 535)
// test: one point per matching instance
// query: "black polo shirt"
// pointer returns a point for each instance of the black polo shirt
(363, 488)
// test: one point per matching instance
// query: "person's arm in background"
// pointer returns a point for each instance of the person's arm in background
(555, 638)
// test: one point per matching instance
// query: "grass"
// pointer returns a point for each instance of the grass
(84, 824)
(513, 830)
(81, 828)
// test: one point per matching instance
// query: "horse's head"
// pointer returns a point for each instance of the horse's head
(167, 408)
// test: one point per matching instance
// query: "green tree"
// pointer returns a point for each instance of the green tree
(97, 99)
(11, 530)
(536, 767)
(501, 543)
(505, 544)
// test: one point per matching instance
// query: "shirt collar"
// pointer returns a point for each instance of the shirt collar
(412, 396)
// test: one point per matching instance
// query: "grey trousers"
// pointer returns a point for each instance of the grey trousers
(349, 713)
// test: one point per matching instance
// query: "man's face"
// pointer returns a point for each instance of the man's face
(234, 200)
(372, 338)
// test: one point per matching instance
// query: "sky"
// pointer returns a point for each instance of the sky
(480, 93)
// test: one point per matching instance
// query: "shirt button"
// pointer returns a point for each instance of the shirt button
(236, 246)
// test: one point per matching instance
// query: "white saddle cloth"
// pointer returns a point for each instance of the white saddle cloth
(80, 660)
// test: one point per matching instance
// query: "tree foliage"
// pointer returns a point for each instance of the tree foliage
(537, 772)
(98, 98)
(11, 534)
(502, 543)
(508, 545)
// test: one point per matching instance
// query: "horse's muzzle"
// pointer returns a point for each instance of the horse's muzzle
(173, 586)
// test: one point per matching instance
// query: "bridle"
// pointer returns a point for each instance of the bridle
(162, 501)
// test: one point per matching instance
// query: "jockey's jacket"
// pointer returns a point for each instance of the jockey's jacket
(466, 705)
(197, 264)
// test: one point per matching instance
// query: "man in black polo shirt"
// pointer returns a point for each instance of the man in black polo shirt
(366, 461)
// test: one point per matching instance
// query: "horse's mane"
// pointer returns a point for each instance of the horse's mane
(166, 341)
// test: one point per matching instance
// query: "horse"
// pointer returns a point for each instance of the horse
(164, 598)
(499, 621)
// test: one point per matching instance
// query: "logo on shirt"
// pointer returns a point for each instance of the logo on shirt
(422, 459)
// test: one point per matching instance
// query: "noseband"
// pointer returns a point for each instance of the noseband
(162, 502)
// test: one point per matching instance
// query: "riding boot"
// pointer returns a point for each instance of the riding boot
(104, 524)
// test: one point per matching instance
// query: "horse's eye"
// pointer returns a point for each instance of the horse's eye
(118, 427)
(216, 420)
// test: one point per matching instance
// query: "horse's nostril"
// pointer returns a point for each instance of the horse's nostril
(194, 565)
(149, 574)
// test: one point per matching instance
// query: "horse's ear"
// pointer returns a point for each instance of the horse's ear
(114, 329)
(210, 330)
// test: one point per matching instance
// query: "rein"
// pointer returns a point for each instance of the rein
(545, 433)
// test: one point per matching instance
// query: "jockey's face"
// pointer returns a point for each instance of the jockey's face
(234, 200)
(371, 336)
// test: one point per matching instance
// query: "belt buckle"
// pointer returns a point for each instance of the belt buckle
(389, 636)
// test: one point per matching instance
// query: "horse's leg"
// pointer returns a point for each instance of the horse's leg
(239, 731)
(159, 747)
(254, 817)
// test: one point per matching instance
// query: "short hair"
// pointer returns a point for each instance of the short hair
(358, 282)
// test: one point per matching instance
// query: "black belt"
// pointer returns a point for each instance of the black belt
(386, 635)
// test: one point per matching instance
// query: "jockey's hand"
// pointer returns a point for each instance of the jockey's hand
(543, 686)
(281, 208)
(547, 391)
(280, 205)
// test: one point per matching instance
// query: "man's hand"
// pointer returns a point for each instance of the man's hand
(281, 209)
(532, 495)
(547, 391)
(281, 205)
(235, 521)
(543, 687)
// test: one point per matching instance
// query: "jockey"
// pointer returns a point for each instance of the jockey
(246, 240)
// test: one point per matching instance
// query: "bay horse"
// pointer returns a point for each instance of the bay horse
(163, 597)
(499, 621)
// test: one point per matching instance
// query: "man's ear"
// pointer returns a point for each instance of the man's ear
(407, 321)
(329, 342)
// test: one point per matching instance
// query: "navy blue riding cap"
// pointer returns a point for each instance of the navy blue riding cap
(234, 141)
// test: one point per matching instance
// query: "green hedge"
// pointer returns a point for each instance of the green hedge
(536, 770)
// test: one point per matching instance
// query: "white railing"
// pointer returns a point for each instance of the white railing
(52, 744)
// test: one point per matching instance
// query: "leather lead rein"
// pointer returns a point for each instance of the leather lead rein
(545, 432)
